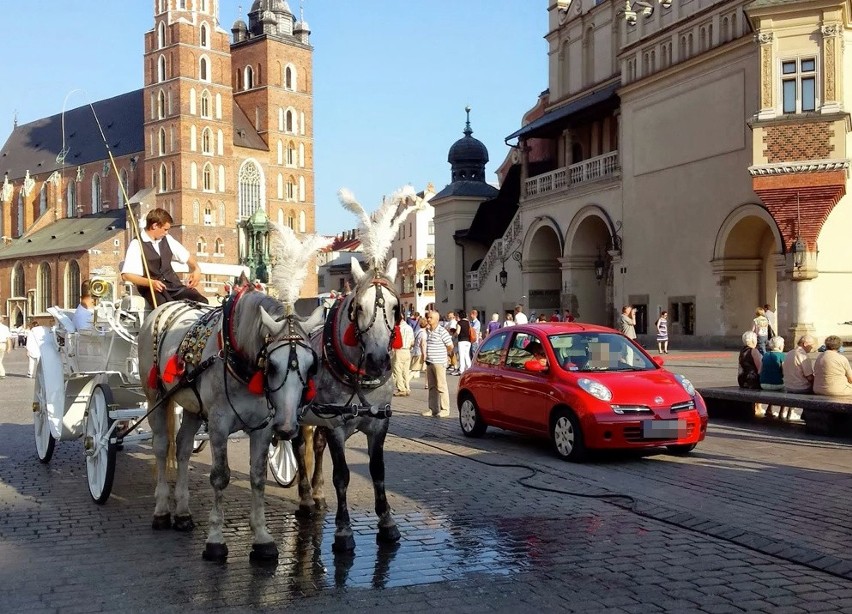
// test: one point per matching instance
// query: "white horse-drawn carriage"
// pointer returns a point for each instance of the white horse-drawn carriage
(87, 386)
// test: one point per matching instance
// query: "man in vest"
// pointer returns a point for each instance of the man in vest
(159, 251)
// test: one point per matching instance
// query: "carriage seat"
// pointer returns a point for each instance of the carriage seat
(136, 306)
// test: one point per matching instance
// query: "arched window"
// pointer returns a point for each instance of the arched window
(42, 199)
(205, 104)
(302, 221)
(207, 178)
(204, 69)
(219, 247)
(161, 38)
(44, 288)
(208, 214)
(206, 145)
(291, 154)
(289, 78)
(71, 199)
(203, 4)
(123, 189)
(192, 101)
(163, 179)
(250, 193)
(161, 69)
(72, 284)
(248, 78)
(201, 246)
(161, 104)
(19, 285)
(301, 189)
(204, 36)
(291, 219)
(221, 213)
(162, 142)
(96, 193)
(290, 192)
(288, 121)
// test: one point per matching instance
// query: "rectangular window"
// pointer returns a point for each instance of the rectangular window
(430, 250)
(798, 85)
(431, 227)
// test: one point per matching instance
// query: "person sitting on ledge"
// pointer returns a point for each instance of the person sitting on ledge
(832, 372)
(771, 372)
(748, 375)
(798, 367)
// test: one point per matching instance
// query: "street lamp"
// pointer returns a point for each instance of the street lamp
(419, 286)
(504, 276)
(599, 267)
(799, 249)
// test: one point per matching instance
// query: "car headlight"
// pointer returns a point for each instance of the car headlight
(596, 389)
(687, 385)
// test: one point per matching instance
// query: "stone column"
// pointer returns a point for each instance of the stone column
(832, 57)
(801, 318)
(767, 86)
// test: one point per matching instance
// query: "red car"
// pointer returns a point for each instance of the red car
(583, 387)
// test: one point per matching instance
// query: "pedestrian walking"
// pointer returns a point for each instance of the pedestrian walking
(439, 347)
(760, 327)
(520, 316)
(401, 359)
(627, 322)
(476, 331)
(5, 344)
(418, 352)
(494, 324)
(662, 325)
(464, 337)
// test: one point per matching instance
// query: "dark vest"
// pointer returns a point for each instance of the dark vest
(160, 265)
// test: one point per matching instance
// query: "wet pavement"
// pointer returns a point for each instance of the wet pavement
(756, 519)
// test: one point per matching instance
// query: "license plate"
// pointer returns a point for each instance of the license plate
(663, 429)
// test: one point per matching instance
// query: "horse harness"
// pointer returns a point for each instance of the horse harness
(187, 365)
(346, 372)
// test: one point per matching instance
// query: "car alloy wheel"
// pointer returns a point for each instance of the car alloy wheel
(566, 436)
(470, 420)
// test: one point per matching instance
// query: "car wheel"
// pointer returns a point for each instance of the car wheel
(681, 450)
(470, 420)
(567, 437)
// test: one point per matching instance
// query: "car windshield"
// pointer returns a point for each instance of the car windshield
(592, 351)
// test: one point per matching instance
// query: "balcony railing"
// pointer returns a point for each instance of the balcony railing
(593, 169)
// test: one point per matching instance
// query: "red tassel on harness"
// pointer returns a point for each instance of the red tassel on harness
(153, 377)
(255, 385)
(349, 337)
(173, 370)
(310, 391)
(396, 342)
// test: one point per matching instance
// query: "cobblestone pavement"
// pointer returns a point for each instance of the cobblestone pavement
(754, 520)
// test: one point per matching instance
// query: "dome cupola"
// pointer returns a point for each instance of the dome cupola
(468, 156)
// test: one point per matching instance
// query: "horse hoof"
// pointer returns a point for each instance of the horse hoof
(184, 523)
(162, 522)
(387, 535)
(320, 504)
(264, 553)
(304, 511)
(343, 543)
(218, 553)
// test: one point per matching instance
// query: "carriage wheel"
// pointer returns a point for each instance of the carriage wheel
(282, 463)
(44, 439)
(100, 453)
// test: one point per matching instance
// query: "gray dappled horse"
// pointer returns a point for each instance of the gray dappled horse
(246, 365)
(354, 392)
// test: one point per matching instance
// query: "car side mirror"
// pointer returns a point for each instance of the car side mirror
(658, 361)
(535, 366)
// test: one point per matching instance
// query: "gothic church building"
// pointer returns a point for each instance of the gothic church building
(221, 136)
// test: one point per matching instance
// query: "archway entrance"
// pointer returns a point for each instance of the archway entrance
(748, 259)
(543, 279)
(586, 295)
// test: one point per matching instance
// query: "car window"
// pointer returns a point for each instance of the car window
(491, 349)
(518, 353)
(599, 352)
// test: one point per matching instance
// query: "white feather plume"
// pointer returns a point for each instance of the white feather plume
(292, 257)
(379, 229)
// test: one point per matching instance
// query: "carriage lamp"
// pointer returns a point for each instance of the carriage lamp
(504, 276)
(799, 249)
(419, 286)
(599, 267)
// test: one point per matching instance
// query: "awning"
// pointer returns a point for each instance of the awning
(547, 122)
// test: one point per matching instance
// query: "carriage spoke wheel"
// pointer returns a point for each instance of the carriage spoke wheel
(100, 453)
(282, 462)
(44, 440)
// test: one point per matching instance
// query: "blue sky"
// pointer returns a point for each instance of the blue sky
(391, 79)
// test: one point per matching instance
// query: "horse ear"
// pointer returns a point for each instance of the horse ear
(243, 281)
(274, 326)
(315, 320)
(390, 273)
(357, 272)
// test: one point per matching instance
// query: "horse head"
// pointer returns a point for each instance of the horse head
(289, 365)
(372, 311)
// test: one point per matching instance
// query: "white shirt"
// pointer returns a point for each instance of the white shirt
(5, 334)
(83, 317)
(133, 257)
(770, 315)
(521, 318)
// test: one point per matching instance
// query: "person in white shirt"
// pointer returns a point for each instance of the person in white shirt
(5, 344)
(84, 315)
(160, 251)
(520, 316)
(401, 359)
(770, 315)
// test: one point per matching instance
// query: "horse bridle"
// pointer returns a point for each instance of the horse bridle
(378, 303)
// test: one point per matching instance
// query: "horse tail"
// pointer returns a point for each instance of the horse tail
(171, 430)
